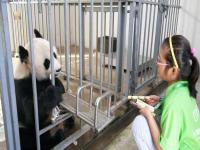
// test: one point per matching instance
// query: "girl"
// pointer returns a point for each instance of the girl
(180, 118)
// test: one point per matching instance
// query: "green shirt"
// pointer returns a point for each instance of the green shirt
(180, 120)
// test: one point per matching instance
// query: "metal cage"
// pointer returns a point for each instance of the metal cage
(107, 50)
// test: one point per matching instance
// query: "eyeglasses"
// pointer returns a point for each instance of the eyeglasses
(158, 62)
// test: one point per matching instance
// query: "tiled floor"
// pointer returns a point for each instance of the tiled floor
(125, 140)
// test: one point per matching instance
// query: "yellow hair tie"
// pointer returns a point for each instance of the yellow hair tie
(172, 51)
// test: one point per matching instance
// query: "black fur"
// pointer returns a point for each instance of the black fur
(46, 64)
(37, 34)
(23, 54)
(49, 96)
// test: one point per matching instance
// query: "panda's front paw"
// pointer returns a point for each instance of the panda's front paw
(53, 95)
(50, 91)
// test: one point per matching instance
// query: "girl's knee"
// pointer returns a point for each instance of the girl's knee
(138, 123)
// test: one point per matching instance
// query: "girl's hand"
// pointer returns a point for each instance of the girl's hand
(152, 100)
(144, 111)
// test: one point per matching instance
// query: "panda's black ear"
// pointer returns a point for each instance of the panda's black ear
(37, 34)
(23, 54)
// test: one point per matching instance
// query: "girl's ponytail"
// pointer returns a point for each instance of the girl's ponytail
(193, 76)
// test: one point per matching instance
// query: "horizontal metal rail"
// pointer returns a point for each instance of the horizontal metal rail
(61, 119)
(98, 100)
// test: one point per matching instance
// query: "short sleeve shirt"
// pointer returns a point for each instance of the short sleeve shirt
(180, 119)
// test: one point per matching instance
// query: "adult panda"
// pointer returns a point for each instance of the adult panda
(48, 95)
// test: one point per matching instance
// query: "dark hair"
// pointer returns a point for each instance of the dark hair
(187, 62)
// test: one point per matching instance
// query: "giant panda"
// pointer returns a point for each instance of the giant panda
(48, 95)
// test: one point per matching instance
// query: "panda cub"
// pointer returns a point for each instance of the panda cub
(48, 96)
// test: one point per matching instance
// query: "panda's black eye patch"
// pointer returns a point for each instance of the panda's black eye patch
(46, 63)
(54, 54)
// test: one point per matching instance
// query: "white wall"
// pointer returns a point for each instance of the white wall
(189, 23)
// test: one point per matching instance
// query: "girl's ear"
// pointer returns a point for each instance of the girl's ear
(174, 73)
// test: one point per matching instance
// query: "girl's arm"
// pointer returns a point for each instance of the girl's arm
(155, 132)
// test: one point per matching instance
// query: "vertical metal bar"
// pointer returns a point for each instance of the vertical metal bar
(20, 24)
(13, 33)
(15, 27)
(174, 19)
(24, 26)
(33, 74)
(34, 15)
(169, 21)
(112, 45)
(50, 40)
(60, 50)
(166, 23)
(148, 37)
(47, 22)
(119, 47)
(101, 47)
(109, 49)
(26, 20)
(80, 43)
(176, 22)
(8, 88)
(136, 46)
(75, 46)
(5, 101)
(157, 38)
(162, 27)
(18, 32)
(152, 37)
(42, 19)
(91, 42)
(123, 46)
(104, 45)
(38, 17)
(67, 43)
(97, 32)
(21, 27)
(55, 23)
(144, 47)
(75, 42)
(83, 40)
(130, 47)
(40, 6)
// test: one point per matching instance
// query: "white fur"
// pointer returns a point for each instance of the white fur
(41, 49)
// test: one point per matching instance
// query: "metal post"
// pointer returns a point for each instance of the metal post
(101, 47)
(152, 37)
(144, 44)
(120, 36)
(109, 49)
(157, 38)
(33, 74)
(91, 42)
(7, 82)
(130, 48)
(81, 55)
(50, 40)
(67, 43)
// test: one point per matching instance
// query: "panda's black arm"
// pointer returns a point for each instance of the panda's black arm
(28, 112)
(59, 84)
(50, 98)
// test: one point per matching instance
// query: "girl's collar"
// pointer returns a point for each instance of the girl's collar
(176, 85)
